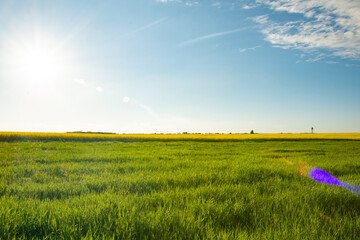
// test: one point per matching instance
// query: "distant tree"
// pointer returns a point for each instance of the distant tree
(312, 129)
(185, 133)
(252, 132)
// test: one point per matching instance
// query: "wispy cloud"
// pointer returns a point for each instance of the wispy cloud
(231, 5)
(191, 4)
(165, 1)
(327, 25)
(209, 36)
(250, 6)
(262, 19)
(149, 25)
(248, 49)
(316, 58)
(216, 4)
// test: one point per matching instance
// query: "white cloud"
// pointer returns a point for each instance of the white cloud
(99, 89)
(327, 25)
(248, 49)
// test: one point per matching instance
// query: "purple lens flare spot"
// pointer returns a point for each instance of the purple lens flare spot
(323, 177)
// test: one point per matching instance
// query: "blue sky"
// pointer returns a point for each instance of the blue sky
(171, 66)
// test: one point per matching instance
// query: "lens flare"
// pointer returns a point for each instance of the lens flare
(322, 176)
(304, 169)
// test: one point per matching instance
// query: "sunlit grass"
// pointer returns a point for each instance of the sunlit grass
(177, 190)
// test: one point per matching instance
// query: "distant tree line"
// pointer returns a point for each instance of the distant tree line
(89, 132)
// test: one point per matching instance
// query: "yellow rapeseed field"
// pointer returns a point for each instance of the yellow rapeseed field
(37, 136)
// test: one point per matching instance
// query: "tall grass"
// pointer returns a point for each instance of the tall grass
(177, 190)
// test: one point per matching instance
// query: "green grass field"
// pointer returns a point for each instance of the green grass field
(177, 190)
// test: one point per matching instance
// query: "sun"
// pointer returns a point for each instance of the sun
(37, 61)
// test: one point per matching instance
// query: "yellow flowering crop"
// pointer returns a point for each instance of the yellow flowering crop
(35, 136)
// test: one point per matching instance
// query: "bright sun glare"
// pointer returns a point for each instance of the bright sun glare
(37, 62)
